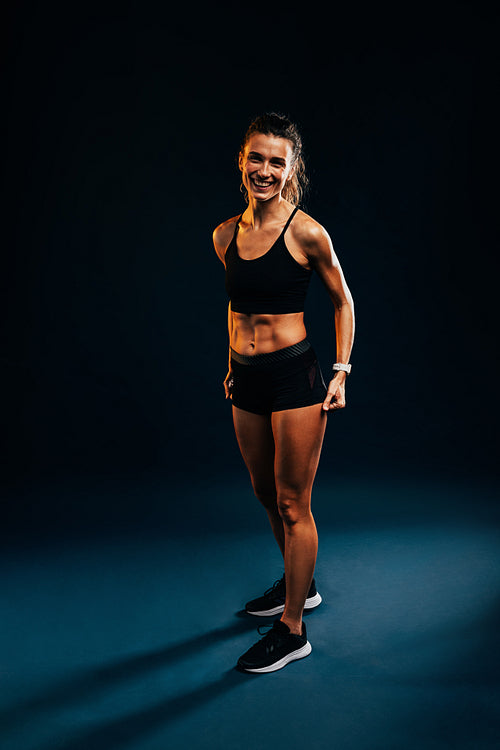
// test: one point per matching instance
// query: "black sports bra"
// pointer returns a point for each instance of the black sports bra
(273, 283)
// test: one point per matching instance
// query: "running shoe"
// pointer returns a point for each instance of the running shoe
(273, 601)
(275, 650)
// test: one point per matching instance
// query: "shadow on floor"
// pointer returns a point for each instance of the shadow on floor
(91, 682)
(132, 728)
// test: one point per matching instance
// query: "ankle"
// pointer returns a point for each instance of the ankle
(295, 626)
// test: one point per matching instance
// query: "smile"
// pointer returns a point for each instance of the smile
(261, 183)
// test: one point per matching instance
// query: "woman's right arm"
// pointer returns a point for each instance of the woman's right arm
(222, 237)
(228, 382)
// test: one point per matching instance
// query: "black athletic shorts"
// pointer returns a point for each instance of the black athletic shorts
(285, 379)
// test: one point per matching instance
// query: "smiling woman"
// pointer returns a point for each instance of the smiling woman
(279, 399)
(288, 139)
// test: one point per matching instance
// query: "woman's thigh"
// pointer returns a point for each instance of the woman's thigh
(298, 438)
(254, 434)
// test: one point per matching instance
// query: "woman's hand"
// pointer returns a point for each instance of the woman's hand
(335, 397)
(228, 384)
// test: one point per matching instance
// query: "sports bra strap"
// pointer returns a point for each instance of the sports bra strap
(290, 219)
(236, 228)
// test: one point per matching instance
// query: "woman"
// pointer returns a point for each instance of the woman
(279, 400)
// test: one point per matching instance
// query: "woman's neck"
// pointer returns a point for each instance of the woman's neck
(258, 213)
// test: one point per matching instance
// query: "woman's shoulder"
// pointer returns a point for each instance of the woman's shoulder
(308, 232)
(227, 227)
(223, 234)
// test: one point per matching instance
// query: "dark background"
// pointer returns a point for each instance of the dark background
(122, 125)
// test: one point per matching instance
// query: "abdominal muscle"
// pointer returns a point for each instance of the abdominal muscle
(259, 334)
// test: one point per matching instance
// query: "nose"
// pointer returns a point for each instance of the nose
(265, 169)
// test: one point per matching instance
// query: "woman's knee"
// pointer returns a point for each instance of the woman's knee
(265, 494)
(293, 506)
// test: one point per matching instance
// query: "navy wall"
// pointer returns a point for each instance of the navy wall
(122, 126)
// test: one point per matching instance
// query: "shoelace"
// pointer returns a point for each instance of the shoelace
(275, 586)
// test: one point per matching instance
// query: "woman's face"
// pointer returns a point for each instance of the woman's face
(266, 165)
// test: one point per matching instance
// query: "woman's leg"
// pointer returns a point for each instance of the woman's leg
(298, 438)
(255, 437)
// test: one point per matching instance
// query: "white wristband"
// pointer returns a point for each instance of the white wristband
(341, 366)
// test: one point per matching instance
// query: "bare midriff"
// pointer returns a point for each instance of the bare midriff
(259, 334)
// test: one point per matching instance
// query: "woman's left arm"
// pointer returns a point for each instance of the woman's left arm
(323, 259)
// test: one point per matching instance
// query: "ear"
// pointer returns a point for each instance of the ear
(291, 173)
(240, 162)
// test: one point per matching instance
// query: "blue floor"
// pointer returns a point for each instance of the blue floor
(129, 639)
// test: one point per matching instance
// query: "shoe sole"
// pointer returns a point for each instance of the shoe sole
(311, 603)
(301, 653)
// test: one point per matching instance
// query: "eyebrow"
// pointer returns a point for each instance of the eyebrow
(273, 158)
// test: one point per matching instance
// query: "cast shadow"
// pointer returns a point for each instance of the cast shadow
(127, 730)
(91, 682)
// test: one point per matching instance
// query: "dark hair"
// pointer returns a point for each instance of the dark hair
(271, 123)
